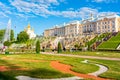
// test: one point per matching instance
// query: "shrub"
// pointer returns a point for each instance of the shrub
(38, 46)
(59, 47)
(7, 43)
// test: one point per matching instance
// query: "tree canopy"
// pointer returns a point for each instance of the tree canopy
(7, 43)
(2, 32)
(22, 36)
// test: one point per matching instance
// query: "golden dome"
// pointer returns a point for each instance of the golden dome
(28, 26)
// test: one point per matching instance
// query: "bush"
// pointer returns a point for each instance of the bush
(59, 47)
(38, 46)
(7, 43)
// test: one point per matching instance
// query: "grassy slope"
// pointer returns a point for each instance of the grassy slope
(98, 38)
(43, 69)
(112, 43)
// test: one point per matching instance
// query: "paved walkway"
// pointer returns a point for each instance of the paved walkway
(30, 78)
(101, 70)
(89, 57)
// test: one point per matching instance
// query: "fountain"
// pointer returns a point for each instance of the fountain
(7, 34)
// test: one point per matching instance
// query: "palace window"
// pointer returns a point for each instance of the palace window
(105, 27)
(105, 22)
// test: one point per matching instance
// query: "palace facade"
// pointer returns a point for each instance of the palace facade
(92, 25)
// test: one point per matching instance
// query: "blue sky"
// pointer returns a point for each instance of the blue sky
(44, 14)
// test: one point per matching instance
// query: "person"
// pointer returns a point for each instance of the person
(64, 49)
(43, 49)
(3, 49)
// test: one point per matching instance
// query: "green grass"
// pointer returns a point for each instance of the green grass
(98, 54)
(112, 43)
(34, 69)
(100, 37)
(114, 70)
(44, 70)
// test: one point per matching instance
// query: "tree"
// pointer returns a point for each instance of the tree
(59, 47)
(2, 32)
(12, 35)
(22, 37)
(7, 43)
(38, 46)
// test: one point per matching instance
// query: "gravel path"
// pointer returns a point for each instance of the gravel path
(89, 57)
(101, 70)
(30, 78)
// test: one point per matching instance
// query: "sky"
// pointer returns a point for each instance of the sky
(44, 14)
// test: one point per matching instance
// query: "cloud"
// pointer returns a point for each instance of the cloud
(107, 13)
(80, 13)
(44, 8)
(105, 1)
(3, 14)
(4, 10)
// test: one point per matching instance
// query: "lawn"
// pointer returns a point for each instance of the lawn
(42, 69)
(99, 54)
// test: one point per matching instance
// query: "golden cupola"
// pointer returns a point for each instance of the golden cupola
(28, 26)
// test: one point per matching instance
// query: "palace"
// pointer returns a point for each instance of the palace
(30, 32)
(92, 25)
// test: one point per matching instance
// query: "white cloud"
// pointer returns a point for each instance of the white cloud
(105, 1)
(4, 10)
(2, 14)
(42, 9)
(32, 8)
(107, 13)
(99, 0)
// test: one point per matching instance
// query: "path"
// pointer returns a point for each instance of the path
(66, 69)
(30, 78)
(89, 57)
(101, 70)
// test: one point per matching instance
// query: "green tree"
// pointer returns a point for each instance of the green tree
(59, 47)
(7, 43)
(12, 35)
(2, 32)
(38, 46)
(22, 37)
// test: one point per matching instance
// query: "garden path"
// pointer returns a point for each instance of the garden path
(67, 69)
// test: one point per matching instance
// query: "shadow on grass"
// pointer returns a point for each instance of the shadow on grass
(46, 73)
(6, 77)
(9, 65)
(36, 73)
